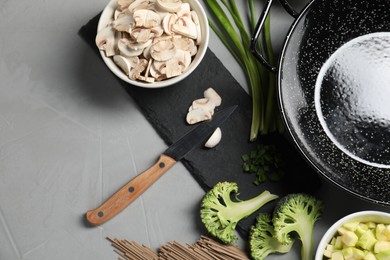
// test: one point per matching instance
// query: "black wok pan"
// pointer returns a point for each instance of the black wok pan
(334, 91)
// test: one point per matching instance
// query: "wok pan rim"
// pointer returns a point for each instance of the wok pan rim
(296, 139)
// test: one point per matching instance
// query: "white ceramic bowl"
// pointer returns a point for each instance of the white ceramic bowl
(107, 15)
(361, 216)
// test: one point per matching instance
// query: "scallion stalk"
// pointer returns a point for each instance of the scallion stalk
(235, 35)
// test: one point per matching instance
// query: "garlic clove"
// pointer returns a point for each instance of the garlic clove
(214, 139)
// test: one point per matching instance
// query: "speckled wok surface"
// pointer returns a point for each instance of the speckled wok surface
(354, 93)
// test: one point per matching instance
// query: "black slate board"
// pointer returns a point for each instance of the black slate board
(166, 108)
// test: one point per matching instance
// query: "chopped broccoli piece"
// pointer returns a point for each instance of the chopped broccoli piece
(295, 214)
(261, 238)
(220, 214)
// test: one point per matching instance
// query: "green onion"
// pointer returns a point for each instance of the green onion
(265, 162)
(228, 25)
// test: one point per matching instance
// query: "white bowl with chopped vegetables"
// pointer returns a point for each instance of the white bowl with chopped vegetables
(361, 235)
(152, 44)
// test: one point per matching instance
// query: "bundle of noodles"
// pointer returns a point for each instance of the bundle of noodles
(204, 248)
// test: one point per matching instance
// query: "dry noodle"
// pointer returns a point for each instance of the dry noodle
(205, 248)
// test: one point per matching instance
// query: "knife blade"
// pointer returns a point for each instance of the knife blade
(135, 187)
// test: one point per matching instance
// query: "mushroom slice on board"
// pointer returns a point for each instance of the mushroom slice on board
(198, 115)
(213, 96)
(198, 103)
(203, 109)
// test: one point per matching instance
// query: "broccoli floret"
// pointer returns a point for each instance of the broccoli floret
(261, 238)
(295, 214)
(220, 214)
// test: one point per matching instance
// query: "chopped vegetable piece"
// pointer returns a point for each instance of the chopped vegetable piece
(266, 162)
(360, 240)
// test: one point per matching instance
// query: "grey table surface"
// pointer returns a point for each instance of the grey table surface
(69, 139)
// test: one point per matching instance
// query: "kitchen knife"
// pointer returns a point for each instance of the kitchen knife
(135, 187)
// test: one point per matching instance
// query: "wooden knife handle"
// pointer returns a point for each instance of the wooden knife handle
(129, 192)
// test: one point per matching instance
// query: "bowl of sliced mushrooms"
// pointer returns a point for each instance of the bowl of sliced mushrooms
(152, 43)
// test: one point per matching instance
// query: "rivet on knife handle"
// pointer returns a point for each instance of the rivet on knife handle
(129, 192)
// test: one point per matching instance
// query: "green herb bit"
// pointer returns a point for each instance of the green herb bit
(265, 162)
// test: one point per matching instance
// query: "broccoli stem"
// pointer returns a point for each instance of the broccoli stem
(307, 239)
(239, 210)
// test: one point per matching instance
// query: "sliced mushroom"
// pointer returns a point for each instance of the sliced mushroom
(124, 23)
(147, 71)
(195, 19)
(125, 50)
(183, 59)
(157, 74)
(198, 115)
(169, 5)
(125, 63)
(119, 13)
(186, 27)
(197, 103)
(213, 96)
(214, 139)
(139, 45)
(146, 53)
(174, 66)
(163, 50)
(146, 18)
(106, 40)
(124, 4)
(185, 44)
(185, 10)
(136, 71)
(138, 4)
(146, 77)
(141, 35)
(168, 21)
(203, 108)
(162, 38)
(157, 31)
